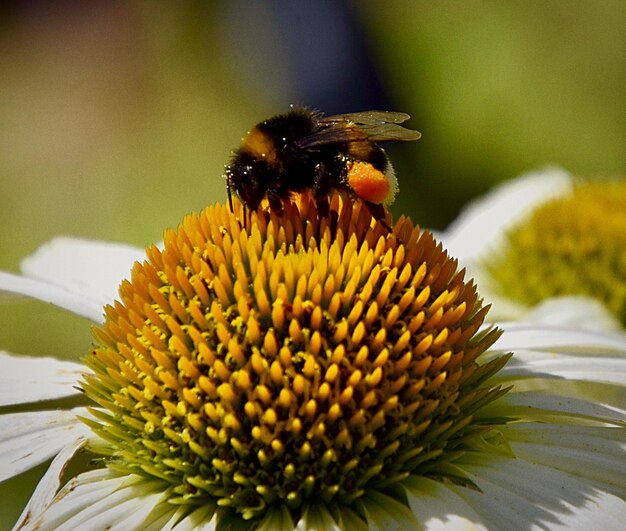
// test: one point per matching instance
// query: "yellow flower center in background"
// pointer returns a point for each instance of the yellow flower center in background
(292, 359)
(574, 245)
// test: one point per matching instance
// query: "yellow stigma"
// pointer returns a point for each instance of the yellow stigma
(292, 359)
(574, 245)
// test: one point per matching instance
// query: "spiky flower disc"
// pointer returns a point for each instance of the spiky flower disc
(573, 245)
(293, 359)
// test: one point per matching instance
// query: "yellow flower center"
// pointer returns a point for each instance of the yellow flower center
(293, 359)
(574, 245)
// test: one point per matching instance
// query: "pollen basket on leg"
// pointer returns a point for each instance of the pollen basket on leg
(290, 360)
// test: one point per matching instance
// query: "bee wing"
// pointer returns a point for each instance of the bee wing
(368, 117)
(374, 126)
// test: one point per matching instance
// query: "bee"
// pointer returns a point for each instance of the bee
(304, 150)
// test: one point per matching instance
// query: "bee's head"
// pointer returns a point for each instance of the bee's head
(248, 177)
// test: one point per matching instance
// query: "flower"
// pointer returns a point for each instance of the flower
(544, 236)
(292, 370)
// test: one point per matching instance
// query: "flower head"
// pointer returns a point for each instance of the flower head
(305, 360)
(545, 235)
(571, 245)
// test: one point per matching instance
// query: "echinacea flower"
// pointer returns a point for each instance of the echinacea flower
(287, 370)
(546, 235)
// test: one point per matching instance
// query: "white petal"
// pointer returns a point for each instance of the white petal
(482, 224)
(598, 511)
(439, 508)
(27, 439)
(314, 518)
(573, 311)
(91, 268)
(25, 379)
(165, 517)
(544, 407)
(351, 521)
(592, 368)
(102, 499)
(518, 493)
(49, 484)
(123, 512)
(521, 336)
(276, 519)
(567, 361)
(60, 296)
(97, 483)
(596, 454)
(204, 518)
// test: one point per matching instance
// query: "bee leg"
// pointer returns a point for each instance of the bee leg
(323, 206)
(246, 216)
(378, 213)
(230, 199)
(276, 203)
(242, 220)
(321, 189)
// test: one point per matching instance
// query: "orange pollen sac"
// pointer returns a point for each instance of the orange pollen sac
(367, 182)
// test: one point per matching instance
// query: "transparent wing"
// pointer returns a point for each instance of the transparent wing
(374, 126)
(368, 117)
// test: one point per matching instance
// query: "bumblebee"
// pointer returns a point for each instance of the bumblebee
(304, 150)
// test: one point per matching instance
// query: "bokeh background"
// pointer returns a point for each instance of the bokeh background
(116, 117)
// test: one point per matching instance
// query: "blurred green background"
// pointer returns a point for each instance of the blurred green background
(116, 117)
